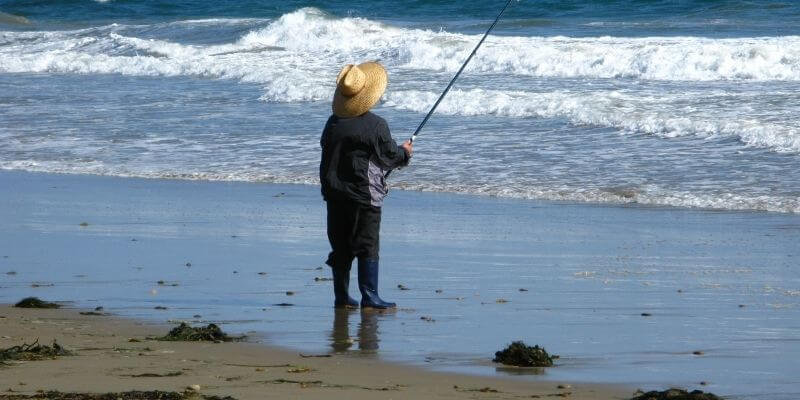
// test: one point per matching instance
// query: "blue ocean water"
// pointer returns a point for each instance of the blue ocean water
(688, 103)
(672, 103)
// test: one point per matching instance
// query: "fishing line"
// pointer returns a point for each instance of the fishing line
(452, 81)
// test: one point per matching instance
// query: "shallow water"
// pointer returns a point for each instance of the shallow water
(722, 283)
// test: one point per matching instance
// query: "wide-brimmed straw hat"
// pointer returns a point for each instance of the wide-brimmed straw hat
(358, 88)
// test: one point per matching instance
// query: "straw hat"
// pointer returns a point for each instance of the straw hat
(358, 88)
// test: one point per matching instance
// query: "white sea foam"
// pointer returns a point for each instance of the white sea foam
(310, 34)
(646, 195)
(665, 115)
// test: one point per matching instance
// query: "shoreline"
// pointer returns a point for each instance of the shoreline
(113, 354)
(547, 201)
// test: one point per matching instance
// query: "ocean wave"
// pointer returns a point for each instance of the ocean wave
(665, 115)
(311, 34)
(651, 195)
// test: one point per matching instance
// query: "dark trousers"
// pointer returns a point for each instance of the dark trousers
(353, 231)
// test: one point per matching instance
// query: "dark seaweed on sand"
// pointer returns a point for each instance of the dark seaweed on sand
(35, 302)
(209, 333)
(32, 352)
(132, 395)
(521, 355)
(676, 394)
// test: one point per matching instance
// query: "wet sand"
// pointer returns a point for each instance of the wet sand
(646, 297)
(113, 354)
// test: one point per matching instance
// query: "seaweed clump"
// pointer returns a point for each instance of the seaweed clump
(132, 395)
(32, 352)
(521, 355)
(209, 333)
(676, 394)
(35, 302)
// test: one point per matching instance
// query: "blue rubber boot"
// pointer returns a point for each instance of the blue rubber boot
(341, 289)
(368, 285)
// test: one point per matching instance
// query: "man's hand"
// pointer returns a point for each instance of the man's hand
(408, 146)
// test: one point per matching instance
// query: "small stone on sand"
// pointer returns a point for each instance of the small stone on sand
(84, 224)
(401, 287)
(644, 314)
(290, 293)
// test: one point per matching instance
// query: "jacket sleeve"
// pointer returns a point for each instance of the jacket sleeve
(388, 152)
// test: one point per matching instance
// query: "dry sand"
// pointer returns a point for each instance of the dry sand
(108, 360)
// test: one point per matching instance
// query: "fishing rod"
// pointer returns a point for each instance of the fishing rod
(452, 81)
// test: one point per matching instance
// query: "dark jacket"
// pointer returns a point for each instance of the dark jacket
(356, 154)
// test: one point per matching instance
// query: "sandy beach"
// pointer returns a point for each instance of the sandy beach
(628, 296)
(115, 355)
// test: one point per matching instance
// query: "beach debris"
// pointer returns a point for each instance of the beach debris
(159, 308)
(523, 290)
(438, 290)
(32, 352)
(647, 314)
(402, 287)
(35, 285)
(675, 394)
(11, 273)
(235, 271)
(741, 305)
(131, 395)
(209, 333)
(35, 302)
(314, 355)
(134, 340)
(501, 301)
(283, 304)
(698, 353)
(427, 318)
(298, 370)
(289, 293)
(98, 308)
(188, 264)
(322, 279)
(262, 273)
(195, 387)
(84, 224)
(281, 194)
(521, 355)
(197, 316)
(91, 313)
(564, 386)
(485, 389)
(153, 375)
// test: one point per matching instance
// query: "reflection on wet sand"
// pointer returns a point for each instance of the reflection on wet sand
(367, 330)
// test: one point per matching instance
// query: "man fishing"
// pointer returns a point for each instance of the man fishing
(357, 152)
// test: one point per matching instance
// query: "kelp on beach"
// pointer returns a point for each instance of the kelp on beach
(209, 333)
(132, 395)
(521, 355)
(32, 352)
(35, 302)
(676, 394)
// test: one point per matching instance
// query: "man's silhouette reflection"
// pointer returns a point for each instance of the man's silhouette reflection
(367, 330)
